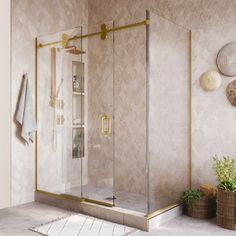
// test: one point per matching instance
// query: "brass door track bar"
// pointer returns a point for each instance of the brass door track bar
(103, 34)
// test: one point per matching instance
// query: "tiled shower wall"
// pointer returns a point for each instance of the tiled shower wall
(213, 25)
(32, 18)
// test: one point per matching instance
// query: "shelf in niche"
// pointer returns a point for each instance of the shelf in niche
(75, 158)
(78, 93)
(78, 126)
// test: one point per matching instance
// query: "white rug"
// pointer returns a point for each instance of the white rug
(82, 225)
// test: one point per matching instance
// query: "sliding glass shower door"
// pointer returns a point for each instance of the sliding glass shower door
(99, 125)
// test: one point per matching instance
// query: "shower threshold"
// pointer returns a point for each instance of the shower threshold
(115, 214)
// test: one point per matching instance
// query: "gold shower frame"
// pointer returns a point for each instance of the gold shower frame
(103, 34)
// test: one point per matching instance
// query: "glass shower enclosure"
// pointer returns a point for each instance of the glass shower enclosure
(114, 113)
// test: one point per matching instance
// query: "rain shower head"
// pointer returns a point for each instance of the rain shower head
(74, 50)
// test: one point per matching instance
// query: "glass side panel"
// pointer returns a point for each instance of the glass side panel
(98, 180)
(168, 112)
(60, 115)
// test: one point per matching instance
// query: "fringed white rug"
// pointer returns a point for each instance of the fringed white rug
(82, 225)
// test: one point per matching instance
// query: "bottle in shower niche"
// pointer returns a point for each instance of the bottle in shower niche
(78, 146)
(76, 83)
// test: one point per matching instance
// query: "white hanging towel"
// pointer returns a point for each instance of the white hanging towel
(25, 112)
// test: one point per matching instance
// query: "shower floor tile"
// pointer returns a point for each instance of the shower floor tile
(127, 200)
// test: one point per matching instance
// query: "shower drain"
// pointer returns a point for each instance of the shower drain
(110, 198)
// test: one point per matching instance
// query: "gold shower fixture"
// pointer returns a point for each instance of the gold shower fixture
(74, 50)
(71, 49)
(103, 34)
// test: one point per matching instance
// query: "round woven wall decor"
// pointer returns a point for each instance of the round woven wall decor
(231, 92)
(226, 59)
(210, 80)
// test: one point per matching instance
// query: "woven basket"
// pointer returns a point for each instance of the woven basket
(202, 208)
(226, 209)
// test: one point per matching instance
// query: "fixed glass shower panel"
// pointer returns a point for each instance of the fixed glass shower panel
(168, 115)
(100, 116)
(60, 114)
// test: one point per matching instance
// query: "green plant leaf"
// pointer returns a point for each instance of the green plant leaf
(192, 195)
(225, 172)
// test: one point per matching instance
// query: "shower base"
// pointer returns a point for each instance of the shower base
(127, 200)
(114, 214)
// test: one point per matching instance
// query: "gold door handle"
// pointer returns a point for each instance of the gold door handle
(106, 124)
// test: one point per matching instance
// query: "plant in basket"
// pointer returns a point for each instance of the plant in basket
(198, 204)
(225, 171)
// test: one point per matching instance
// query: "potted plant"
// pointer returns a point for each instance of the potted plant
(198, 205)
(225, 171)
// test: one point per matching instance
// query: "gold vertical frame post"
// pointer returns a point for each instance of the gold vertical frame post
(36, 113)
(190, 109)
(53, 78)
(147, 112)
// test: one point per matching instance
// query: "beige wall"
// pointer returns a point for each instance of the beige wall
(5, 106)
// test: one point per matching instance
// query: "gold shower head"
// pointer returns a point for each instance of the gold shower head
(74, 50)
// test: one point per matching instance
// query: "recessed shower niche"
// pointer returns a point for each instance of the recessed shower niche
(121, 140)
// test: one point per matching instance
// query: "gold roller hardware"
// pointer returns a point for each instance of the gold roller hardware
(103, 34)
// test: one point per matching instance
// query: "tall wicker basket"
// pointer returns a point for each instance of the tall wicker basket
(226, 209)
(202, 208)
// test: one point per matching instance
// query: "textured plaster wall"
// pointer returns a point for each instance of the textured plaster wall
(31, 18)
(213, 24)
(5, 104)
